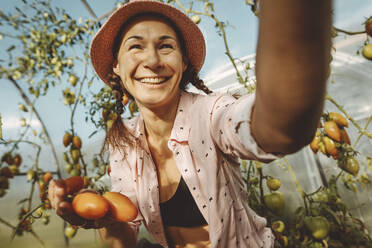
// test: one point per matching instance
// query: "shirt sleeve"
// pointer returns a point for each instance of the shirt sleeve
(231, 128)
(121, 182)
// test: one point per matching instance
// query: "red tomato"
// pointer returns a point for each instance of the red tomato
(73, 184)
(332, 130)
(121, 208)
(90, 205)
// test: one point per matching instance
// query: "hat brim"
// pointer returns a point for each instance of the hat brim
(103, 42)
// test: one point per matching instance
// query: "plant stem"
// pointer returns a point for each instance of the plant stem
(223, 33)
(6, 223)
(38, 238)
(349, 32)
(73, 114)
(23, 219)
(299, 189)
(27, 100)
(360, 135)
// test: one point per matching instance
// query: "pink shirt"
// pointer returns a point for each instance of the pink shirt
(209, 134)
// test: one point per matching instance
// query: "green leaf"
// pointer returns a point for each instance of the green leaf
(92, 134)
(10, 48)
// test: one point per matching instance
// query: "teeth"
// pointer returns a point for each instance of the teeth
(153, 80)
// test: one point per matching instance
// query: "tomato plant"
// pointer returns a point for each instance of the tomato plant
(43, 57)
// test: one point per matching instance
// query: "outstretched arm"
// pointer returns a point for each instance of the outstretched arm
(292, 62)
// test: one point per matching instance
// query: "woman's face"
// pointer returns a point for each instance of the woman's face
(150, 62)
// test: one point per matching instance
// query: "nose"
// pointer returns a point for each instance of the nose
(152, 59)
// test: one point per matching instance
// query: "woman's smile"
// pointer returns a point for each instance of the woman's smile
(153, 82)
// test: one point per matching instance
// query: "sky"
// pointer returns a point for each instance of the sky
(242, 36)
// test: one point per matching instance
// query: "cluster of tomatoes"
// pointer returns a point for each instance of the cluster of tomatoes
(73, 166)
(93, 206)
(332, 140)
(9, 167)
(42, 179)
(274, 201)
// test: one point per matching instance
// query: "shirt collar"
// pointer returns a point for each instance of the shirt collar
(181, 127)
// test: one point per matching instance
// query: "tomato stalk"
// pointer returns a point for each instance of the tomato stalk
(23, 219)
(348, 32)
(299, 188)
(361, 134)
(32, 107)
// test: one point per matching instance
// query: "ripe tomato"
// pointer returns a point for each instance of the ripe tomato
(90, 206)
(73, 184)
(47, 177)
(125, 99)
(314, 145)
(121, 208)
(67, 138)
(6, 172)
(76, 142)
(105, 114)
(330, 146)
(344, 136)
(332, 130)
(369, 26)
(17, 160)
(340, 120)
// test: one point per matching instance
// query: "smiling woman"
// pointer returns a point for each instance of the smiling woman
(177, 161)
(150, 62)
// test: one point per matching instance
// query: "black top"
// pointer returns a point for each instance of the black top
(181, 210)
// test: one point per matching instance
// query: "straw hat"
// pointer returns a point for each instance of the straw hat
(103, 42)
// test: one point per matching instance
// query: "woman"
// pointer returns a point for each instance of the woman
(178, 159)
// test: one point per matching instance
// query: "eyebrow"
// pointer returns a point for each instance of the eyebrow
(137, 37)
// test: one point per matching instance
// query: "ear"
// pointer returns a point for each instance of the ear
(115, 67)
(185, 63)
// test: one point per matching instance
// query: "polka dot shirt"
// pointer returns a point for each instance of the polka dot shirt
(210, 133)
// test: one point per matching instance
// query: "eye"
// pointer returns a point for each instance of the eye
(134, 46)
(166, 45)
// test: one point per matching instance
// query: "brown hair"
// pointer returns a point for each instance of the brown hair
(118, 135)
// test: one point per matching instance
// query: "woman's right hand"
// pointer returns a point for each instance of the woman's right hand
(57, 195)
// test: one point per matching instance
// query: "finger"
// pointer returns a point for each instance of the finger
(56, 192)
(67, 213)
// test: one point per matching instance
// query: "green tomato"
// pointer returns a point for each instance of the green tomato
(275, 202)
(73, 79)
(70, 232)
(367, 51)
(273, 184)
(278, 226)
(196, 19)
(318, 226)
